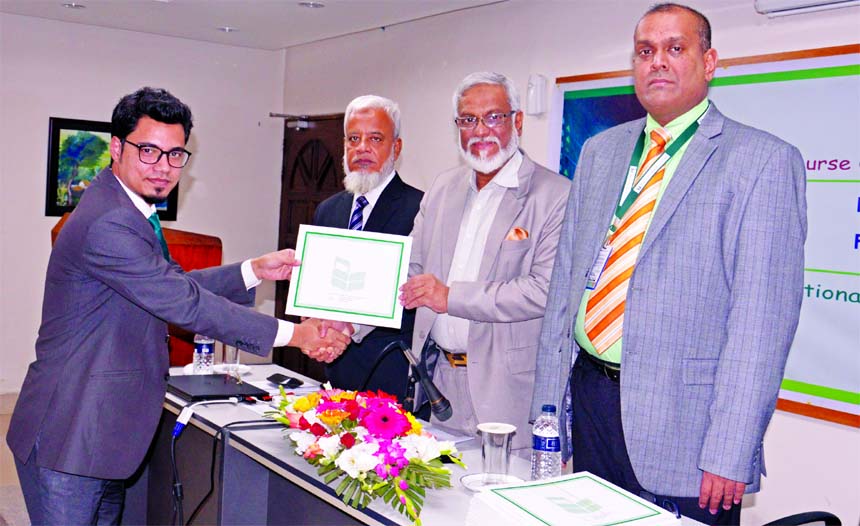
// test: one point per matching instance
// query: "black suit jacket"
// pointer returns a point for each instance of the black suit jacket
(393, 213)
(93, 396)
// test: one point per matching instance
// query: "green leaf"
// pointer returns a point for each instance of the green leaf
(342, 486)
(332, 476)
(350, 490)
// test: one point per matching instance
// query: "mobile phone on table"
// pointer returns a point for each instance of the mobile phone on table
(287, 381)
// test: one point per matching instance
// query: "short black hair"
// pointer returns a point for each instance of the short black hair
(704, 29)
(156, 103)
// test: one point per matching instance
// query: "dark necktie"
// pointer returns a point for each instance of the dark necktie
(356, 222)
(156, 225)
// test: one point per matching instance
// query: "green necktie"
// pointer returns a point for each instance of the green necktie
(156, 225)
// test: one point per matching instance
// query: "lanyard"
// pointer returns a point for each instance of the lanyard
(632, 188)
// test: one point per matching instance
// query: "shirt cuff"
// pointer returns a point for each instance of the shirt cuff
(284, 334)
(251, 279)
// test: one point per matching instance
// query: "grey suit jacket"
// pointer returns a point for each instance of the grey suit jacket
(93, 396)
(506, 303)
(712, 305)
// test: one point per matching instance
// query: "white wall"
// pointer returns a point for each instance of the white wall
(231, 188)
(812, 464)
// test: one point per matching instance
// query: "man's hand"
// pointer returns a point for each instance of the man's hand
(339, 326)
(275, 265)
(425, 290)
(716, 489)
(321, 346)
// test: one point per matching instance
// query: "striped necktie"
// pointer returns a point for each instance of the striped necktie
(356, 222)
(156, 225)
(604, 312)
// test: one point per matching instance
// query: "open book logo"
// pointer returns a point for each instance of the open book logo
(342, 278)
(583, 505)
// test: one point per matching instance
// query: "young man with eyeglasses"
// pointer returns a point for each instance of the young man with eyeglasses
(483, 247)
(91, 401)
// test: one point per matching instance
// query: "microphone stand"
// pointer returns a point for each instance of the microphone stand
(439, 405)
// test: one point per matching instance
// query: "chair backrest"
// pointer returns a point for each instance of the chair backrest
(808, 517)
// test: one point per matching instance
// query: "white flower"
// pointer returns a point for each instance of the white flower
(329, 445)
(358, 459)
(424, 447)
(360, 433)
(303, 440)
(311, 417)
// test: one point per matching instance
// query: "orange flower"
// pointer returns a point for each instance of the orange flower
(332, 417)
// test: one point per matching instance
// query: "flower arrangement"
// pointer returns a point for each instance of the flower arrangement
(370, 442)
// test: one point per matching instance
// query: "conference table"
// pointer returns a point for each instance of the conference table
(258, 479)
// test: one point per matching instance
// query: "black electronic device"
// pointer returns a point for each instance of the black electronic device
(439, 405)
(287, 381)
(193, 387)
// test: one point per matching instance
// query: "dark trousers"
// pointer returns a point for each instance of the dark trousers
(63, 499)
(599, 447)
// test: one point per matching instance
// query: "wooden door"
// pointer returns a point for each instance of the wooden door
(312, 170)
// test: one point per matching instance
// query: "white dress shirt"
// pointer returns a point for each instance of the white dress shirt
(450, 332)
(285, 328)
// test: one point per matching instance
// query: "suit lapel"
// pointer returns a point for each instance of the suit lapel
(455, 205)
(698, 152)
(509, 209)
(612, 177)
(386, 205)
(343, 210)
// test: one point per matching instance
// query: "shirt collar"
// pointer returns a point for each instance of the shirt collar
(507, 177)
(374, 194)
(680, 123)
(145, 208)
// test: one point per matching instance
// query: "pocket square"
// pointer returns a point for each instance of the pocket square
(517, 234)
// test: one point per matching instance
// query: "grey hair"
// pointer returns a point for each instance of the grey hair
(488, 77)
(367, 102)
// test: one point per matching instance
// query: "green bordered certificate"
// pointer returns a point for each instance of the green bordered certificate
(349, 275)
(581, 499)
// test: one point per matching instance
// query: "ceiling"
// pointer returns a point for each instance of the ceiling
(261, 24)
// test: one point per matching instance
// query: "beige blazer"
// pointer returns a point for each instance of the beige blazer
(506, 304)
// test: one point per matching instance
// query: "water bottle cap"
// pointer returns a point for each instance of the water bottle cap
(548, 408)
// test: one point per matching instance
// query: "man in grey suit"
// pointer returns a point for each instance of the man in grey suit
(483, 246)
(677, 286)
(91, 401)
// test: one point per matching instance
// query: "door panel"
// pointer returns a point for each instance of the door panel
(312, 171)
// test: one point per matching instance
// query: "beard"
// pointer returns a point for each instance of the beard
(483, 164)
(360, 182)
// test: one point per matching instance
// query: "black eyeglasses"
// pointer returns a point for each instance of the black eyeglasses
(149, 154)
(490, 120)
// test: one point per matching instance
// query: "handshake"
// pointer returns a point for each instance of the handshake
(322, 340)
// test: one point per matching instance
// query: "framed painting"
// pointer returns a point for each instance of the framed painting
(77, 151)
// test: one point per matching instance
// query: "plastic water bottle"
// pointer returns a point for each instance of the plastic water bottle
(204, 354)
(546, 446)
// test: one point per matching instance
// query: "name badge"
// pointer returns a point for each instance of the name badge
(597, 269)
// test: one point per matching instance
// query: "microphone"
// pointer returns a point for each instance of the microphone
(439, 405)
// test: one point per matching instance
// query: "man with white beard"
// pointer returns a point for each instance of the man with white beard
(376, 200)
(483, 247)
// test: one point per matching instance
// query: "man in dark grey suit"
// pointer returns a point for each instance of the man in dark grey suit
(679, 304)
(376, 200)
(91, 401)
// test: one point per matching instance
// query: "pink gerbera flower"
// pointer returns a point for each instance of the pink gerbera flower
(384, 421)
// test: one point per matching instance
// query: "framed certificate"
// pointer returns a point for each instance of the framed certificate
(349, 275)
